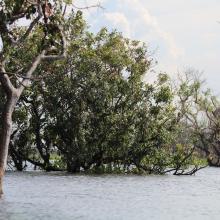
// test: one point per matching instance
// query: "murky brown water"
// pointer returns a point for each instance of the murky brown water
(43, 196)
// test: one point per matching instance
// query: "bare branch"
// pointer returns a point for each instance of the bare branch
(89, 7)
(16, 17)
(25, 82)
(32, 25)
(28, 31)
(191, 172)
(64, 11)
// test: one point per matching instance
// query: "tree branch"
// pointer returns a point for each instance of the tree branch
(88, 7)
(64, 48)
(26, 81)
(32, 25)
(6, 82)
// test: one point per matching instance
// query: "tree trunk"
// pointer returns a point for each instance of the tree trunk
(73, 166)
(6, 134)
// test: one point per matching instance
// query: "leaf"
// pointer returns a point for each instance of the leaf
(68, 2)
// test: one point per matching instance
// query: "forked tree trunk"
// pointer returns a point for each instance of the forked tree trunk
(5, 135)
(13, 95)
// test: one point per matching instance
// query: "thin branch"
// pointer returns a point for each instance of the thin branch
(32, 25)
(64, 11)
(30, 78)
(28, 31)
(16, 17)
(89, 7)
(20, 82)
(191, 172)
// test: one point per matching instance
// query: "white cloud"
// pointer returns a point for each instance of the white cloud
(147, 20)
(119, 20)
(131, 17)
(184, 32)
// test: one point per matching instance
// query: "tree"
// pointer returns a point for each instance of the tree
(18, 61)
(106, 118)
(94, 113)
(199, 116)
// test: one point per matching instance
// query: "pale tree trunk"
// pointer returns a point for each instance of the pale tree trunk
(13, 93)
(5, 135)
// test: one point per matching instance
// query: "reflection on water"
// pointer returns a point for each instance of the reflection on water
(55, 196)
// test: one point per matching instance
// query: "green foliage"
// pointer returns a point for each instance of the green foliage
(92, 111)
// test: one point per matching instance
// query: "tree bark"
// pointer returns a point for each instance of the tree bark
(5, 134)
(13, 93)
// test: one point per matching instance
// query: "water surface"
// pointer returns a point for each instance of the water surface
(55, 196)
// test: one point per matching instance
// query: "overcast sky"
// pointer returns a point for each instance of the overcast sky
(183, 33)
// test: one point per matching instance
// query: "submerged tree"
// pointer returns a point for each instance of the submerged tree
(200, 115)
(94, 113)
